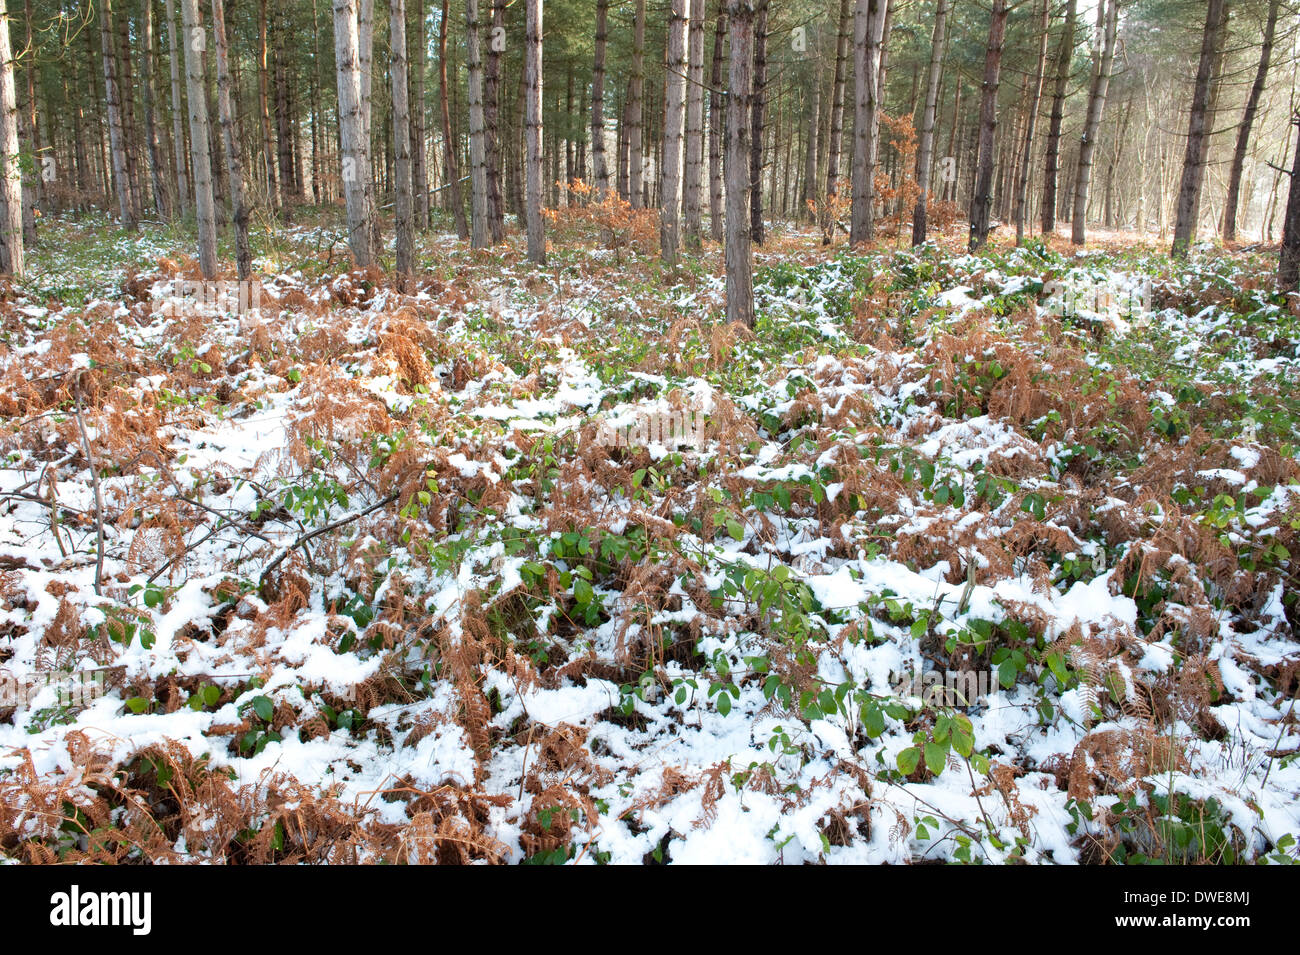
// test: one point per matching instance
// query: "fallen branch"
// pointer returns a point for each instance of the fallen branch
(302, 539)
(99, 500)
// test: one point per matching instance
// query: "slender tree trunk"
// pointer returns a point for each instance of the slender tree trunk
(740, 279)
(868, 24)
(925, 145)
(756, 136)
(200, 154)
(695, 126)
(356, 148)
(452, 167)
(674, 113)
(283, 133)
(835, 145)
(808, 193)
(1189, 190)
(116, 135)
(1064, 54)
(533, 131)
(178, 110)
(480, 228)
(1022, 180)
(636, 105)
(230, 138)
(982, 201)
(404, 212)
(11, 184)
(1247, 122)
(156, 174)
(1288, 267)
(717, 110)
(126, 101)
(419, 160)
(599, 170)
(491, 123)
(1107, 22)
(264, 107)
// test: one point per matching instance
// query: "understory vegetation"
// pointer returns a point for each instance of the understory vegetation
(358, 576)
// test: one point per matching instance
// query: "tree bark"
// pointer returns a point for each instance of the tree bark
(717, 110)
(674, 113)
(636, 100)
(694, 126)
(533, 131)
(355, 146)
(1022, 180)
(599, 169)
(264, 107)
(11, 184)
(1247, 122)
(1107, 21)
(419, 160)
(491, 124)
(230, 138)
(925, 145)
(449, 161)
(868, 24)
(157, 179)
(1288, 266)
(116, 134)
(1064, 54)
(480, 228)
(1189, 189)
(404, 211)
(178, 133)
(834, 147)
(740, 277)
(200, 154)
(756, 136)
(982, 200)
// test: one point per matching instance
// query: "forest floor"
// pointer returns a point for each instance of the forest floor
(373, 575)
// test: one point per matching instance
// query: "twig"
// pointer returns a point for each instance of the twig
(99, 500)
(310, 535)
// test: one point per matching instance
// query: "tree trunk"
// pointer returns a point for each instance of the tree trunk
(599, 170)
(1288, 266)
(230, 138)
(982, 200)
(1189, 190)
(1248, 121)
(868, 25)
(419, 160)
(178, 132)
(695, 126)
(717, 97)
(283, 134)
(1022, 180)
(116, 135)
(740, 266)
(491, 123)
(925, 146)
(1107, 23)
(636, 102)
(355, 146)
(835, 145)
(11, 184)
(156, 177)
(674, 113)
(756, 135)
(1064, 54)
(404, 213)
(808, 194)
(452, 167)
(264, 107)
(480, 228)
(533, 131)
(200, 155)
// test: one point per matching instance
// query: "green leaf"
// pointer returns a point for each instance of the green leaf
(137, 704)
(735, 530)
(908, 760)
(936, 757)
(264, 708)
